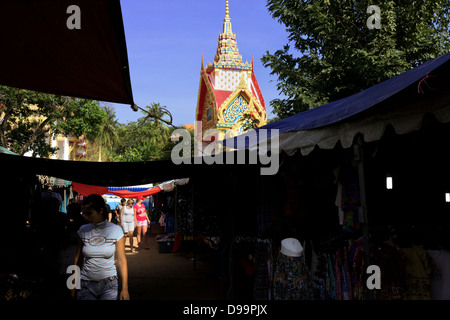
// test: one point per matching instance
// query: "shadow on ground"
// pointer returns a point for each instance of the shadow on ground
(171, 276)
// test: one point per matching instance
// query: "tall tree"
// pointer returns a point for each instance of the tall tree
(146, 139)
(28, 118)
(160, 116)
(108, 135)
(335, 50)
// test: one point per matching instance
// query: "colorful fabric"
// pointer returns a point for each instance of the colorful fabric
(391, 261)
(357, 267)
(350, 200)
(292, 280)
(86, 190)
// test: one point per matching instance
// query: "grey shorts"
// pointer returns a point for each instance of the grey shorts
(127, 226)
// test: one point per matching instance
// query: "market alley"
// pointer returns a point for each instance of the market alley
(170, 276)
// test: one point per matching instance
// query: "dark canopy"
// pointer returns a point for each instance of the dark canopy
(38, 51)
(117, 173)
(406, 88)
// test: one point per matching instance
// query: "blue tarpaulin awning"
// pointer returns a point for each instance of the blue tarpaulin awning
(322, 118)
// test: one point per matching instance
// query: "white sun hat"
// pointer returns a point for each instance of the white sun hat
(291, 247)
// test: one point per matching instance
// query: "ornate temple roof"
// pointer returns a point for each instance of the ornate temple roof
(227, 54)
(228, 87)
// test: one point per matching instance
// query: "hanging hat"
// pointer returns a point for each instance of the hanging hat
(291, 247)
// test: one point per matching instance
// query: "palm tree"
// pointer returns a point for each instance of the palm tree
(160, 117)
(108, 135)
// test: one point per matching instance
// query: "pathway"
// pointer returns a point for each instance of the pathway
(170, 276)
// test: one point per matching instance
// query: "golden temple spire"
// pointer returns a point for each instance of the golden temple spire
(227, 11)
(227, 54)
(227, 21)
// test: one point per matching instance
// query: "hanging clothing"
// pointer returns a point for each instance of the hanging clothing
(162, 220)
(391, 261)
(185, 216)
(357, 267)
(350, 200)
(292, 280)
(347, 290)
(418, 268)
(319, 272)
(170, 223)
(261, 287)
(440, 278)
(330, 280)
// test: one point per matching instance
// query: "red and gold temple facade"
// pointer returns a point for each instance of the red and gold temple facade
(228, 90)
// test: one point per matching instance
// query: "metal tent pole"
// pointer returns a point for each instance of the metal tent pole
(359, 158)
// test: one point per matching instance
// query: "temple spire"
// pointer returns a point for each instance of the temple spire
(227, 11)
(227, 21)
(227, 54)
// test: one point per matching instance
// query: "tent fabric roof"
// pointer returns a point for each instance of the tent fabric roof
(4, 150)
(128, 192)
(38, 51)
(116, 173)
(316, 125)
(86, 190)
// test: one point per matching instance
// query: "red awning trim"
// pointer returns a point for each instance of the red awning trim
(86, 190)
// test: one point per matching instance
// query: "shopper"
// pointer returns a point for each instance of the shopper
(119, 209)
(98, 242)
(142, 222)
(109, 211)
(127, 221)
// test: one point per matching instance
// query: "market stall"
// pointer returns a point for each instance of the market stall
(363, 181)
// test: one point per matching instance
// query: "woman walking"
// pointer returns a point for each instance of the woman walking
(99, 240)
(142, 221)
(127, 221)
(119, 209)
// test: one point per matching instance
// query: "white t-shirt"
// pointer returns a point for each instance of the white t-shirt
(128, 214)
(98, 250)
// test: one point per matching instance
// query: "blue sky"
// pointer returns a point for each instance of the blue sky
(165, 40)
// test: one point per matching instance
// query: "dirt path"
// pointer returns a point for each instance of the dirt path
(170, 276)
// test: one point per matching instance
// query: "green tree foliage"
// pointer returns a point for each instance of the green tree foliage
(248, 122)
(108, 134)
(28, 118)
(333, 54)
(148, 138)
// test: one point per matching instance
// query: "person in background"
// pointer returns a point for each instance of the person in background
(99, 240)
(127, 221)
(142, 221)
(108, 210)
(119, 209)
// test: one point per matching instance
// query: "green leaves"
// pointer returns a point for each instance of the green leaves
(146, 139)
(332, 53)
(30, 117)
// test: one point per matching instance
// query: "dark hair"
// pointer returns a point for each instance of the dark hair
(97, 202)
